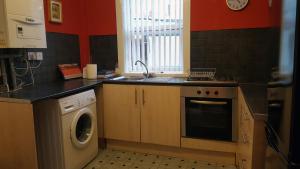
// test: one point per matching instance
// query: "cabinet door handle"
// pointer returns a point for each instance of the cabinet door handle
(143, 97)
(243, 164)
(245, 138)
(245, 115)
(135, 96)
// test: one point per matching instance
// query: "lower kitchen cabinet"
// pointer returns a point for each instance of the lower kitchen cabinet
(147, 114)
(160, 115)
(251, 139)
(121, 112)
(17, 133)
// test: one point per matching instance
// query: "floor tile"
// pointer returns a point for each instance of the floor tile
(115, 159)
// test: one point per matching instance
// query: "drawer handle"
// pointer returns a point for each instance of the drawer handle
(135, 96)
(143, 97)
(208, 102)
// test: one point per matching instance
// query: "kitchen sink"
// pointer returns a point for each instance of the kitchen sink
(138, 78)
(123, 78)
(158, 79)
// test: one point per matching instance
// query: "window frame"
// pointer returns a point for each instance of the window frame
(186, 41)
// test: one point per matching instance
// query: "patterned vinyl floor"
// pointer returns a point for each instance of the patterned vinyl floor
(114, 159)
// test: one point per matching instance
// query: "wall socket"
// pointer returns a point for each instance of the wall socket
(35, 55)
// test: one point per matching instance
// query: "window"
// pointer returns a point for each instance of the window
(154, 32)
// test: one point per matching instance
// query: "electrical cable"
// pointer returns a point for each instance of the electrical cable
(32, 77)
(37, 66)
(26, 69)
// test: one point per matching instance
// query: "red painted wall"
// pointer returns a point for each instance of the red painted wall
(101, 17)
(71, 17)
(98, 17)
(215, 15)
(74, 22)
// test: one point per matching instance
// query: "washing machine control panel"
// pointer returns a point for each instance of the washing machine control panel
(75, 102)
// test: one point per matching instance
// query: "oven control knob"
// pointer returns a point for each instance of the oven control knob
(216, 93)
(199, 92)
(207, 92)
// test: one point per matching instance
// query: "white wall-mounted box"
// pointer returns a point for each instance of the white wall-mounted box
(22, 24)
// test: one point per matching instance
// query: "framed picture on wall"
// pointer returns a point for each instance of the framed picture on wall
(55, 11)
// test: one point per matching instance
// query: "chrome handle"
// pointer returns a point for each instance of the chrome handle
(208, 102)
(143, 97)
(135, 96)
(275, 105)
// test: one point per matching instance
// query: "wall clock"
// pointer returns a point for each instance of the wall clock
(236, 4)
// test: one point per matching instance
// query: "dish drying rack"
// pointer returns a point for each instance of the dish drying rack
(203, 73)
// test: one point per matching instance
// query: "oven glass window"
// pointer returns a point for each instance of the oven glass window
(209, 118)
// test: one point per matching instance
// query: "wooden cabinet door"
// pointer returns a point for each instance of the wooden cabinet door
(160, 115)
(121, 112)
(246, 130)
(17, 133)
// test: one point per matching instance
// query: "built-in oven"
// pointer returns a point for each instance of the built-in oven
(209, 113)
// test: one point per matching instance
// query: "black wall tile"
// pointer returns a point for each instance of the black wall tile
(61, 49)
(104, 51)
(246, 54)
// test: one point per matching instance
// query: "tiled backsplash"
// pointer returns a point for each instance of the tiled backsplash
(246, 54)
(104, 51)
(61, 48)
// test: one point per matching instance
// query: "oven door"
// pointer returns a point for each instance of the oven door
(207, 118)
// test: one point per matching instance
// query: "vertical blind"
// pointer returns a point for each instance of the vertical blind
(153, 34)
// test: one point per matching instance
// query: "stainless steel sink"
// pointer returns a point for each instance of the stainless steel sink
(138, 78)
(123, 78)
(158, 79)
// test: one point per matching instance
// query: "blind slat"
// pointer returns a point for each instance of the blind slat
(153, 34)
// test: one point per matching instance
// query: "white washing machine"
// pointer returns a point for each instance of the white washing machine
(67, 131)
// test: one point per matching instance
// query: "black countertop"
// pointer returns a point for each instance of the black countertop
(256, 98)
(174, 81)
(255, 94)
(38, 92)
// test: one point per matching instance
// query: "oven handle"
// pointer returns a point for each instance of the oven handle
(276, 105)
(208, 102)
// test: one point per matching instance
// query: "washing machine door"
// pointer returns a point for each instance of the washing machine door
(82, 128)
